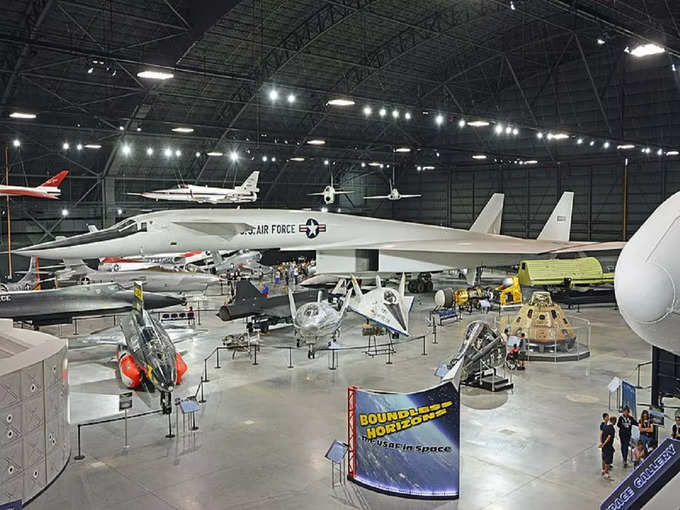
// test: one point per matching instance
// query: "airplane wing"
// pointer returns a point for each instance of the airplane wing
(377, 197)
(215, 228)
(343, 192)
(410, 196)
(315, 194)
(26, 193)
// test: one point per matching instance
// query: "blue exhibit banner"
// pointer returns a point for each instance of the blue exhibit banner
(14, 505)
(658, 468)
(628, 397)
(407, 443)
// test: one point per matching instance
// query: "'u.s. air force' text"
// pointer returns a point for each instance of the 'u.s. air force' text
(274, 228)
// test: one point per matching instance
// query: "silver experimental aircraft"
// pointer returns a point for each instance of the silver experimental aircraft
(246, 192)
(343, 243)
(28, 282)
(154, 280)
(316, 320)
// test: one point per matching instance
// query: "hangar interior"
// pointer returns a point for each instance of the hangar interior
(450, 100)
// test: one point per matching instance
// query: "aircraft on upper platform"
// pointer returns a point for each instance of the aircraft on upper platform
(343, 243)
(329, 193)
(48, 189)
(394, 195)
(246, 192)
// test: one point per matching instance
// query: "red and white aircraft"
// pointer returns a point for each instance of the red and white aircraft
(48, 189)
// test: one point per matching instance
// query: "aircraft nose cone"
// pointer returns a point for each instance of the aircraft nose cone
(153, 300)
(646, 293)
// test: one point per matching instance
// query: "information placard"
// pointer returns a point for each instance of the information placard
(125, 401)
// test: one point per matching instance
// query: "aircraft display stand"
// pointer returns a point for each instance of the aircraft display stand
(374, 349)
(488, 379)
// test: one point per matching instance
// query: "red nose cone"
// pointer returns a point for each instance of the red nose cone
(181, 367)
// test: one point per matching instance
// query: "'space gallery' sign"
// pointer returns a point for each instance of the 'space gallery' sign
(406, 443)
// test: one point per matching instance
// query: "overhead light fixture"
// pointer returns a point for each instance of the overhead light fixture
(478, 123)
(297, 158)
(214, 154)
(539, 135)
(407, 115)
(316, 141)
(439, 119)
(183, 130)
(16, 142)
(126, 149)
(119, 211)
(155, 75)
(498, 129)
(273, 159)
(233, 155)
(515, 131)
(198, 154)
(625, 147)
(659, 152)
(461, 123)
(149, 151)
(512, 5)
(395, 114)
(645, 50)
(672, 153)
(579, 141)
(402, 149)
(363, 165)
(22, 115)
(264, 159)
(291, 98)
(139, 129)
(428, 168)
(367, 111)
(479, 156)
(79, 147)
(178, 153)
(325, 162)
(592, 143)
(560, 136)
(374, 163)
(65, 146)
(600, 41)
(121, 128)
(341, 102)
(273, 94)
(382, 112)
(646, 150)
(64, 212)
(167, 152)
(508, 130)
(531, 162)
(606, 145)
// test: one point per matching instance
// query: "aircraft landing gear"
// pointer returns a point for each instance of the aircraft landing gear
(423, 283)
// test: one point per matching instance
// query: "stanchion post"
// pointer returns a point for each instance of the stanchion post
(193, 421)
(434, 331)
(80, 455)
(255, 356)
(424, 353)
(126, 445)
(218, 358)
(290, 359)
(202, 401)
(170, 435)
(205, 369)
(75, 326)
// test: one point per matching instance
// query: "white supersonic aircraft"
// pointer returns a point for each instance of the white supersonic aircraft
(343, 243)
(246, 192)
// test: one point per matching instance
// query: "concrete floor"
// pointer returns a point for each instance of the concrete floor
(264, 429)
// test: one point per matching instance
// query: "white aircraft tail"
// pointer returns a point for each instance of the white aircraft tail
(250, 184)
(489, 220)
(291, 303)
(216, 257)
(76, 265)
(30, 279)
(357, 289)
(402, 285)
(345, 303)
(92, 228)
(558, 226)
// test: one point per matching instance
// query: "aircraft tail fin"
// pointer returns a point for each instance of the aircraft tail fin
(92, 228)
(246, 290)
(138, 308)
(402, 285)
(291, 303)
(558, 226)
(345, 303)
(338, 286)
(55, 181)
(357, 289)
(29, 279)
(250, 184)
(489, 220)
(217, 257)
(75, 264)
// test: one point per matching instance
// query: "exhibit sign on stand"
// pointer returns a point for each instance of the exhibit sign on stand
(405, 444)
(628, 397)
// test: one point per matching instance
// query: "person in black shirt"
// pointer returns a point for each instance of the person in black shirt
(625, 424)
(607, 445)
(605, 420)
(676, 427)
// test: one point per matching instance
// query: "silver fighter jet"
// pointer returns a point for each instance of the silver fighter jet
(316, 320)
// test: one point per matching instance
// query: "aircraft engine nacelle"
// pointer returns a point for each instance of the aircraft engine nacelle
(181, 366)
(328, 197)
(130, 372)
(647, 278)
